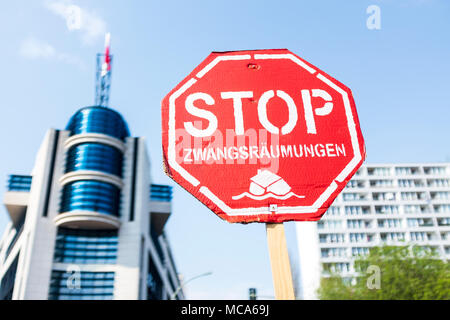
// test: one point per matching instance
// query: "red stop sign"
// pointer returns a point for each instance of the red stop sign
(261, 136)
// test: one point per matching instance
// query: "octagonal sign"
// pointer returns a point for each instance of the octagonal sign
(261, 136)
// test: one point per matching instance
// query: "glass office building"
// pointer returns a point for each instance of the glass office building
(88, 223)
(395, 204)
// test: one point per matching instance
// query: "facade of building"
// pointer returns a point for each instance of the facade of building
(396, 204)
(88, 223)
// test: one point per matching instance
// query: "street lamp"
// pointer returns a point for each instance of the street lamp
(172, 297)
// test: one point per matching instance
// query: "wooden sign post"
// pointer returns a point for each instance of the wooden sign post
(279, 261)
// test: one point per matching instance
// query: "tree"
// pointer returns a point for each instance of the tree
(405, 273)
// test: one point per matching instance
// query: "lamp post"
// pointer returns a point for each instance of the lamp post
(172, 297)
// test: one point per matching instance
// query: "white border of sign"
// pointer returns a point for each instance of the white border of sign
(263, 210)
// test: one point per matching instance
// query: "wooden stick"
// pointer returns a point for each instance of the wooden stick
(279, 261)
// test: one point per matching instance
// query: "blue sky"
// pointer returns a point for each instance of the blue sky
(398, 75)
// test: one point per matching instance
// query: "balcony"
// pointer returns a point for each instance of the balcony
(81, 219)
(160, 205)
(16, 198)
(159, 192)
(19, 183)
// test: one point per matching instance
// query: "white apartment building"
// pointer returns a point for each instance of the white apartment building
(396, 204)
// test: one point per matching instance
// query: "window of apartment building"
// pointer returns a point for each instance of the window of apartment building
(440, 195)
(441, 208)
(445, 235)
(434, 170)
(423, 236)
(406, 183)
(331, 238)
(333, 211)
(329, 224)
(358, 237)
(418, 236)
(414, 208)
(443, 221)
(382, 183)
(354, 196)
(392, 236)
(389, 223)
(386, 209)
(438, 182)
(358, 223)
(336, 267)
(361, 237)
(406, 171)
(378, 171)
(355, 184)
(383, 196)
(360, 251)
(355, 210)
(413, 196)
(420, 222)
(355, 224)
(410, 183)
(333, 252)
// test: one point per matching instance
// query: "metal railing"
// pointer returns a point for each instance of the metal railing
(160, 192)
(19, 183)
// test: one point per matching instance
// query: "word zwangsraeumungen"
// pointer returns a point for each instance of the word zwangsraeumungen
(259, 152)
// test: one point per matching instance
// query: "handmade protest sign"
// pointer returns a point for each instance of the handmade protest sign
(261, 136)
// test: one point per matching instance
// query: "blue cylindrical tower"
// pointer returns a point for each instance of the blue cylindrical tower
(97, 119)
(93, 169)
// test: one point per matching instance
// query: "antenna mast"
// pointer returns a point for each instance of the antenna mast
(103, 75)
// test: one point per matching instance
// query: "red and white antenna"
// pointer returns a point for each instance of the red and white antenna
(106, 65)
(103, 74)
